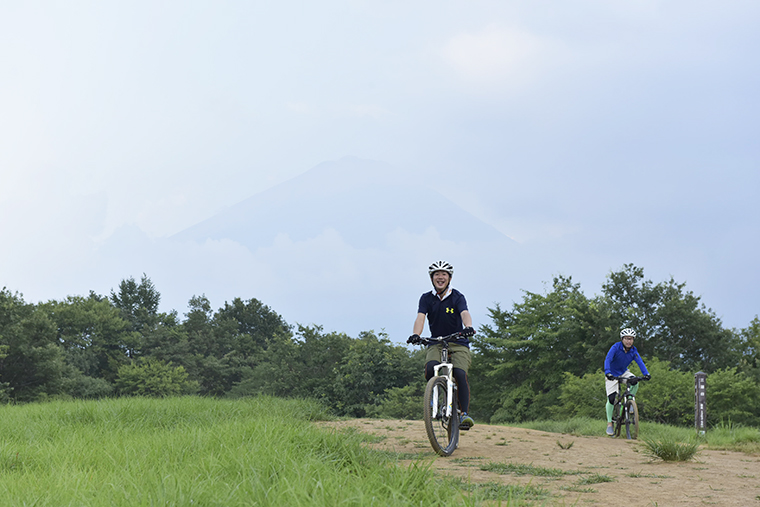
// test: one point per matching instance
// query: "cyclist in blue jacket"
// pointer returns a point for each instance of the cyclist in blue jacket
(447, 313)
(619, 357)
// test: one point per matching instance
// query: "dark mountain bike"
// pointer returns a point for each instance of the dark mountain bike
(625, 412)
(440, 407)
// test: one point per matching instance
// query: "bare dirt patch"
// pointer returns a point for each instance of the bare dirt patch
(715, 478)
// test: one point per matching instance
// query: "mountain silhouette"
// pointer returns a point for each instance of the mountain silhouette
(362, 200)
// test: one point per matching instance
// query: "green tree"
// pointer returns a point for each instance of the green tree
(92, 334)
(371, 366)
(138, 304)
(277, 373)
(227, 346)
(671, 322)
(5, 389)
(253, 325)
(750, 362)
(33, 366)
(306, 366)
(320, 355)
(351, 376)
(204, 351)
(521, 359)
(169, 342)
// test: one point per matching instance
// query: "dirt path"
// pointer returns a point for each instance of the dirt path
(714, 478)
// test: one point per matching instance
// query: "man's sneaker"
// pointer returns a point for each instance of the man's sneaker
(610, 430)
(466, 422)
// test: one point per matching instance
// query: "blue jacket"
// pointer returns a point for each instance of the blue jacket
(618, 359)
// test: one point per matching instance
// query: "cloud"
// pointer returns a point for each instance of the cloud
(300, 108)
(370, 110)
(499, 56)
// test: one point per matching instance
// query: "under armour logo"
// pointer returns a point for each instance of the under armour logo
(449, 310)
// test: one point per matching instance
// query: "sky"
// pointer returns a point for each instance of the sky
(589, 133)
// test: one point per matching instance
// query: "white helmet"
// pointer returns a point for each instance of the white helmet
(440, 266)
(627, 332)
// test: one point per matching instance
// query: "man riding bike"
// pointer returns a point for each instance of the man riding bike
(446, 311)
(619, 357)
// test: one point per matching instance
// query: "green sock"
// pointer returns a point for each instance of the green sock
(634, 390)
(609, 408)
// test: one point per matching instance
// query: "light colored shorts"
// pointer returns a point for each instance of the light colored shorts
(459, 355)
(612, 385)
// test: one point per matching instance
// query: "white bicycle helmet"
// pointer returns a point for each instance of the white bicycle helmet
(627, 332)
(440, 266)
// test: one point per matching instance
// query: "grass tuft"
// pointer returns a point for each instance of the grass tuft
(514, 494)
(523, 469)
(596, 478)
(671, 450)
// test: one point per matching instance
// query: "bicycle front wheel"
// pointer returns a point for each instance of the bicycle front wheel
(442, 429)
(632, 420)
(617, 418)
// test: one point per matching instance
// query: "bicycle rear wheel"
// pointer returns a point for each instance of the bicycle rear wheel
(442, 430)
(632, 420)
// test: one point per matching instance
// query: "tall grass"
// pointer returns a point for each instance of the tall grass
(195, 451)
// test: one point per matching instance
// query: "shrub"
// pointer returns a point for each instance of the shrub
(400, 402)
(85, 387)
(152, 377)
(581, 396)
(732, 396)
(668, 397)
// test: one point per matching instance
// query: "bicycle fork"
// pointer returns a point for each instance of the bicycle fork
(449, 388)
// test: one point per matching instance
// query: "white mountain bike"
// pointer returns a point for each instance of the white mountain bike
(441, 401)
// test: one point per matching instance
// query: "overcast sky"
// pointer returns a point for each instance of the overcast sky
(592, 133)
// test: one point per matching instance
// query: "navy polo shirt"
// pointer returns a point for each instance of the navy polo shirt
(444, 316)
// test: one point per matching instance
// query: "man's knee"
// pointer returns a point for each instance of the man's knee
(611, 397)
(429, 371)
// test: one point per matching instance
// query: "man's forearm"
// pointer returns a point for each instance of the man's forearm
(466, 319)
(419, 324)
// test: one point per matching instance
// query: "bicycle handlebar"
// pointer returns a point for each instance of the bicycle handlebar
(442, 339)
(631, 381)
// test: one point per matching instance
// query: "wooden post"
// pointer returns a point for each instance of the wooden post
(700, 412)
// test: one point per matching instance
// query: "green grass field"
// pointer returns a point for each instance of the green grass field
(198, 451)
(257, 451)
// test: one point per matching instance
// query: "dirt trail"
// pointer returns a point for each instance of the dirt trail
(715, 478)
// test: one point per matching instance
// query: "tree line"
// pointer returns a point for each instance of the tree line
(540, 359)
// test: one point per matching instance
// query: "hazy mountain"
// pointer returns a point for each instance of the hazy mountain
(362, 200)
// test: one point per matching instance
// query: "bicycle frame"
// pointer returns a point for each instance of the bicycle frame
(624, 393)
(625, 410)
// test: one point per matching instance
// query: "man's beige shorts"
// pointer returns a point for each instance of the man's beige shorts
(459, 355)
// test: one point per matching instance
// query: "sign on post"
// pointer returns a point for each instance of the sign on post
(700, 412)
